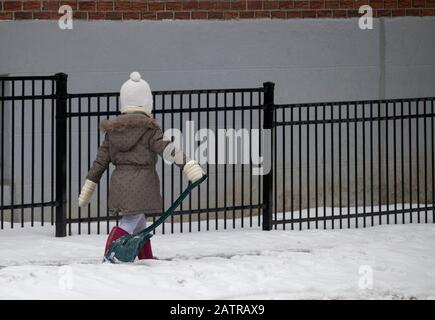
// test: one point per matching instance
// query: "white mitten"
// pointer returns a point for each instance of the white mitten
(193, 170)
(86, 193)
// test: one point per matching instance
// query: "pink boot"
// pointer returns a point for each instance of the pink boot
(114, 234)
(146, 252)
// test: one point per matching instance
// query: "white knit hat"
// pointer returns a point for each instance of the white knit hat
(136, 95)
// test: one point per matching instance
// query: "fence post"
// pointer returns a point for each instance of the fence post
(61, 141)
(269, 113)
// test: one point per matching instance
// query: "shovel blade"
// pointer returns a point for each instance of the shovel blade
(126, 248)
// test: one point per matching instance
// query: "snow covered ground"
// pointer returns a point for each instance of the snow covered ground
(386, 262)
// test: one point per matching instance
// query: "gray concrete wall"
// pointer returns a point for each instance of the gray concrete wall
(309, 60)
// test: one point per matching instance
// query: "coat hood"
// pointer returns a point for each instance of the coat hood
(127, 129)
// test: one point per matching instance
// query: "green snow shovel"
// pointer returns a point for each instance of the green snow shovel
(126, 248)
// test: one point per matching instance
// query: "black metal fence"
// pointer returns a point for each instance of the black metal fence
(27, 150)
(334, 165)
(354, 163)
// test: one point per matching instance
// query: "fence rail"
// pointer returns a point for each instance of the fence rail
(334, 164)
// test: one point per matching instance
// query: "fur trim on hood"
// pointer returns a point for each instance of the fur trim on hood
(125, 121)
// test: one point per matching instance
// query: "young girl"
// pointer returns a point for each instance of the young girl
(132, 142)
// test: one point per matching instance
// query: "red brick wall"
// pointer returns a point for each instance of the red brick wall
(222, 9)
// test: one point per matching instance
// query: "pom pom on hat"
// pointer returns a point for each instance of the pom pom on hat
(135, 76)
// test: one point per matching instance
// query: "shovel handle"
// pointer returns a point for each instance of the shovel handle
(177, 202)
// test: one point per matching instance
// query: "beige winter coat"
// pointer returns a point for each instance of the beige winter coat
(132, 143)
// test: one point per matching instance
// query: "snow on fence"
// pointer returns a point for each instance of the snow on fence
(372, 161)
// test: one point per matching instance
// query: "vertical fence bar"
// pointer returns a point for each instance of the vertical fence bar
(22, 151)
(242, 177)
(371, 167)
(163, 162)
(192, 154)
(348, 163)
(52, 164)
(225, 162)
(425, 162)
(2, 154)
(172, 167)
(300, 165)
(99, 185)
(234, 163)
(402, 161)
(108, 182)
(364, 163)
(417, 145)
(199, 189)
(13, 158)
(181, 176)
(315, 166)
(291, 172)
(260, 146)
(324, 164)
(432, 137)
(250, 159)
(356, 162)
(216, 189)
(394, 163)
(410, 160)
(387, 171)
(89, 160)
(332, 168)
(61, 142)
(69, 167)
(208, 161)
(379, 164)
(283, 170)
(340, 196)
(79, 167)
(268, 109)
(308, 168)
(42, 155)
(32, 174)
(275, 165)
(108, 171)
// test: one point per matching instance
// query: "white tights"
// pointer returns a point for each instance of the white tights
(133, 223)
